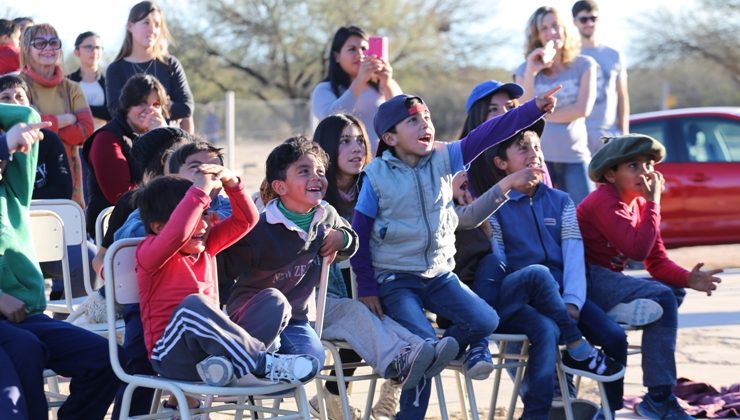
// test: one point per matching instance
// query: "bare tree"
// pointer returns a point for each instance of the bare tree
(708, 32)
(279, 47)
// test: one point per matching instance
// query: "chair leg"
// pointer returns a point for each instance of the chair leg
(563, 382)
(605, 402)
(518, 378)
(471, 398)
(369, 400)
(459, 378)
(441, 397)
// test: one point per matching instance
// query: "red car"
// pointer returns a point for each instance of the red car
(701, 203)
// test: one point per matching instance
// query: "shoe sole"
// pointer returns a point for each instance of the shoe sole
(595, 376)
(480, 371)
(445, 352)
(582, 409)
(636, 313)
(419, 366)
(219, 379)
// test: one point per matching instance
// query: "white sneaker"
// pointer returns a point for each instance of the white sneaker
(215, 371)
(289, 367)
(636, 313)
(333, 407)
(387, 405)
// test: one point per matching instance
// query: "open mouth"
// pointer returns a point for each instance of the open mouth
(426, 139)
(198, 237)
(314, 189)
(534, 165)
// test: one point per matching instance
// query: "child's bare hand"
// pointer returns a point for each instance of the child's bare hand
(206, 181)
(333, 242)
(523, 180)
(13, 309)
(222, 173)
(653, 185)
(22, 136)
(373, 303)
(547, 101)
(704, 281)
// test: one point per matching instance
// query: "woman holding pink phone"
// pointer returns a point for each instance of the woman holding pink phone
(357, 83)
(553, 58)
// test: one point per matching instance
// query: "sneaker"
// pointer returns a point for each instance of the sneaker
(410, 365)
(597, 366)
(636, 313)
(478, 363)
(668, 409)
(333, 407)
(445, 351)
(288, 367)
(215, 371)
(387, 405)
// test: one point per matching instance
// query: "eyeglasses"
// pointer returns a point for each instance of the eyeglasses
(91, 48)
(41, 43)
(585, 19)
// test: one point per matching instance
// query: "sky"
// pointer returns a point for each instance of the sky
(108, 18)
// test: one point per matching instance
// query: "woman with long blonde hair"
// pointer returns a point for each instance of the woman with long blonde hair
(553, 58)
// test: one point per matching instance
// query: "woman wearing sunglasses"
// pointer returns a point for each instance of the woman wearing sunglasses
(553, 58)
(89, 49)
(57, 98)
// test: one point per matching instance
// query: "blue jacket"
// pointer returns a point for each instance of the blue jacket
(543, 229)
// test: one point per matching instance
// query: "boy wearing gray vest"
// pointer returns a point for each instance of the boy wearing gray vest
(406, 222)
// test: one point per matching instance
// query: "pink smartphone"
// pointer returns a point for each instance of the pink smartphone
(378, 46)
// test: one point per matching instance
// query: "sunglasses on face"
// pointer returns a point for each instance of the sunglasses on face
(41, 43)
(585, 19)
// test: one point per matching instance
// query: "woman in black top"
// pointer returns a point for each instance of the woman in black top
(89, 50)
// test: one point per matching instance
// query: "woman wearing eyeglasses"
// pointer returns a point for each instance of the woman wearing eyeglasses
(144, 50)
(89, 49)
(553, 58)
(57, 98)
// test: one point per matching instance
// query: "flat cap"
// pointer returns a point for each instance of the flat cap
(619, 149)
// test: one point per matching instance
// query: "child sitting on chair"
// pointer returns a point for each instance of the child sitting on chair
(186, 334)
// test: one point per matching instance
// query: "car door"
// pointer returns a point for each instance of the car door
(710, 179)
(672, 203)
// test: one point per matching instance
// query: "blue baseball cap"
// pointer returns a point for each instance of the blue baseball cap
(491, 86)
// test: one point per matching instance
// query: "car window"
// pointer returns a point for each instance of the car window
(657, 130)
(711, 139)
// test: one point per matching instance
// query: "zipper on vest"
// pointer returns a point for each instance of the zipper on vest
(426, 219)
(539, 232)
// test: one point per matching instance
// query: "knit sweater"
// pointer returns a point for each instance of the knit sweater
(614, 231)
(20, 275)
(56, 96)
(279, 254)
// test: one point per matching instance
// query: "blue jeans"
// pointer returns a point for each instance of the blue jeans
(40, 342)
(300, 338)
(405, 298)
(529, 302)
(571, 178)
(608, 288)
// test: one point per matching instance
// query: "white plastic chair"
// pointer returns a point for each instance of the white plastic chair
(334, 361)
(122, 288)
(75, 234)
(101, 225)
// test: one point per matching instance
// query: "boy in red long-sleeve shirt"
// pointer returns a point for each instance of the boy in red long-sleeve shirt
(621, 221)
(186, 334)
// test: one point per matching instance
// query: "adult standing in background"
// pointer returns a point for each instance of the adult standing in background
(144, 50)
(553, 59)
(356, 83)
(610, 115)
(89, 76)
(57, 98)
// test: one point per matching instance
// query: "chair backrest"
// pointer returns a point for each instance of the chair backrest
(47, 234)
(75, 232)
(49, 242)
(119, 272)
(101, 225)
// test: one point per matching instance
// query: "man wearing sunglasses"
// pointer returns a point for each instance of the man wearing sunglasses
(610, 115)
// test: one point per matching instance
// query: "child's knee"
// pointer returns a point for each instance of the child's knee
(273, 298)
